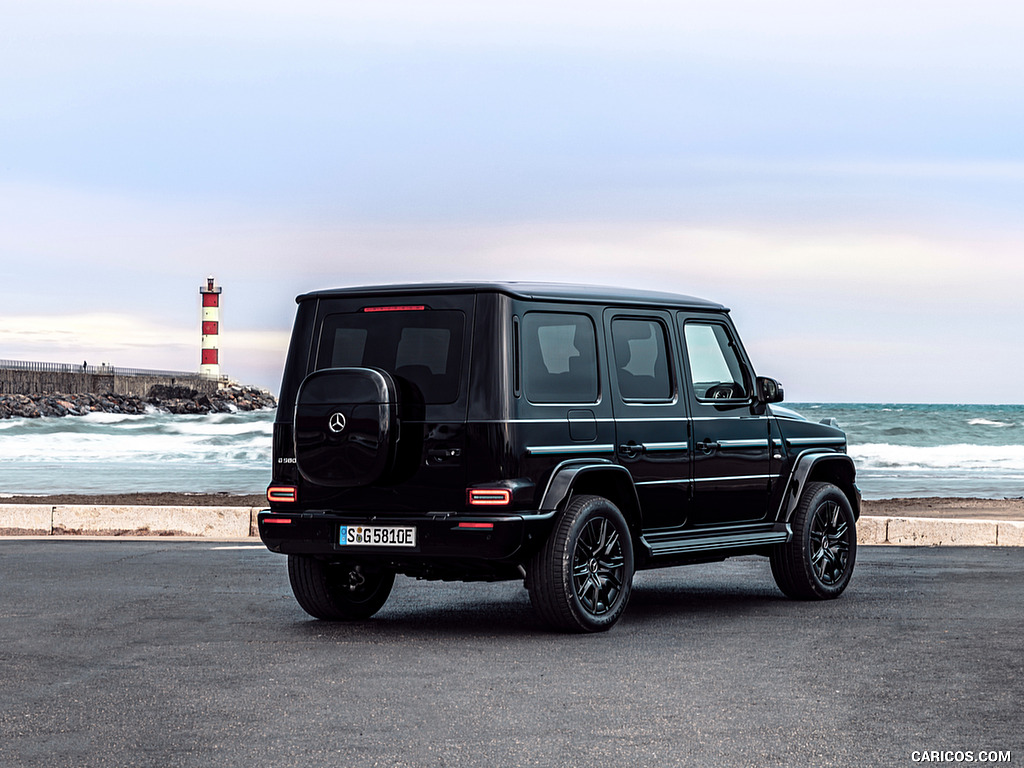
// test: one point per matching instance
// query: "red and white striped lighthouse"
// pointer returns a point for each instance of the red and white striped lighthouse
(210, 365)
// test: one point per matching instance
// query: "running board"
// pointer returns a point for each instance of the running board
(692, 542)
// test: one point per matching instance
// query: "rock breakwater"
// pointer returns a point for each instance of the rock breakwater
(177, 400)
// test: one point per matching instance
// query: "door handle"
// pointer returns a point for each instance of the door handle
(631, 450)
(709, 446)
(443, 455)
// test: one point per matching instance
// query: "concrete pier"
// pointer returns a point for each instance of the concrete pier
(17, 378)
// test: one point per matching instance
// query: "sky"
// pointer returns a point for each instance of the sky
(847, 178)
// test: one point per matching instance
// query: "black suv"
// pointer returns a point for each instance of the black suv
(562, 435)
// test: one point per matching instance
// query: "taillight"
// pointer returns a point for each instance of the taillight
(466, 526)
(282, 493)
(488, 497)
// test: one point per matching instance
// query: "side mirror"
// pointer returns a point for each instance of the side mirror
(769, 391)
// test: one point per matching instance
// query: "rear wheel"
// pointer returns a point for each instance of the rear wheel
(818, 562)
(338, 591)
(580, 580)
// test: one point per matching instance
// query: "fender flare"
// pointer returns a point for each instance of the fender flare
(803, 466)
(565, 476)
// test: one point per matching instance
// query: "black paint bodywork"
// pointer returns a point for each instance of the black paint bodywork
(697, 479)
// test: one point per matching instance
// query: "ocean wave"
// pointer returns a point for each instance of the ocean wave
(978, 458)
(150, 438)
(903, 431)
(990, 423)
(101, 417)
(219, 429)
(932, 426)
(152, 450)
(899, 450)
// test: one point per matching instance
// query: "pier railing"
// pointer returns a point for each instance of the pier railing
(20, 377)
(100, 370)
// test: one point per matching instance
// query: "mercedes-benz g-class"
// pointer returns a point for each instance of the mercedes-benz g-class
(565, 436)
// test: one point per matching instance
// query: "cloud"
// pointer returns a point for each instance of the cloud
(785, 259)
(101, 330)
(848, 169)
(832, 312)
(907, 39)
(129, 250)
(125, 341)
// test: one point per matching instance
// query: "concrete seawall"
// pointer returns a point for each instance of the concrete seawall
(240, 523)
(96, 520)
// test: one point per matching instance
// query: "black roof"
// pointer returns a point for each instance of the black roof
(536, 291)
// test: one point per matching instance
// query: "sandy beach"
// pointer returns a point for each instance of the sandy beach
(949, 508)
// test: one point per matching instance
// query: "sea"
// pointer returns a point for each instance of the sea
(119, 453)
(901, 450)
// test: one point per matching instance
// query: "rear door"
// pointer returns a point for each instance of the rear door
(731, 448)
(423, 343)
(652, 428)
(563, 408)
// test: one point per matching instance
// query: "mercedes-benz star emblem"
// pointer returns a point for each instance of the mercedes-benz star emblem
(337, 422)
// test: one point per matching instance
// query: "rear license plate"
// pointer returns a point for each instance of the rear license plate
(377, 535)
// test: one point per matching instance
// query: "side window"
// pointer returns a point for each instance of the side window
(559, 358)
(715, 368)
(641, 359)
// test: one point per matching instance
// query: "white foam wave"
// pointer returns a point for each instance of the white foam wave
(140, 448)
(198, 428)
(989, 423)
(994, 458)
(99, 417)
(151, 438)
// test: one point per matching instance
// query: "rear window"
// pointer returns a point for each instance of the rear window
(423, 347)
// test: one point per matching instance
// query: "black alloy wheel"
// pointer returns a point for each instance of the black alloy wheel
(598, 566)
(818, 562)
(581, 579)
(830, 543)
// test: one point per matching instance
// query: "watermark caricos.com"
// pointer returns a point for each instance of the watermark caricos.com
(960, 756)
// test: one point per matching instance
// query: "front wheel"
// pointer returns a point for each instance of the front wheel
(338, 591)
(581, 578)
(818, 562)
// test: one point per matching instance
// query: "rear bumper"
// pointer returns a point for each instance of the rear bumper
(500, 538)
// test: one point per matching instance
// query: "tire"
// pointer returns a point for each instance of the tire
(581, 579)
(338, 591)
(818, 562)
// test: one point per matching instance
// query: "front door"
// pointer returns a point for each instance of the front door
(731, 447)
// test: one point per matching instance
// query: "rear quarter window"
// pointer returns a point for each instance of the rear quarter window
(559, 354)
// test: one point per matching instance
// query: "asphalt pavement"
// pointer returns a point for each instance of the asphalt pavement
(149, 653)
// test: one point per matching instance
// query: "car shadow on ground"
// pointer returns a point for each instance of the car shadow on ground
(504, 610)
(702, 601)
